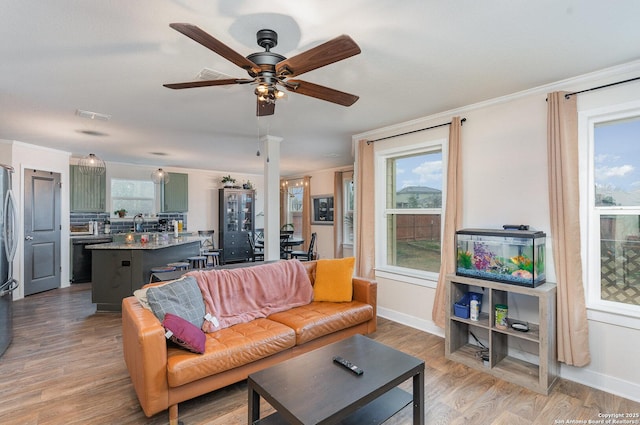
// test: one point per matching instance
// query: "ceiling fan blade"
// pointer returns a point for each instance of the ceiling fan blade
(265, 108)
(332, 51)
(321, 92)
(202, 37)
(208, 83)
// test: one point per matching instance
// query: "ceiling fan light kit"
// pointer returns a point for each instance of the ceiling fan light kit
(269, 70)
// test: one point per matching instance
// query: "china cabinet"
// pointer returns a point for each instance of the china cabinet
(236, 223)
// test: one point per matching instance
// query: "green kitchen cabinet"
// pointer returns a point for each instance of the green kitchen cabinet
(88, 192)
(175, 194)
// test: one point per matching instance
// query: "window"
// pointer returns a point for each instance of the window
(348, 202)
(294, 206)
(413, 182)
(135, 196)
(613, 259)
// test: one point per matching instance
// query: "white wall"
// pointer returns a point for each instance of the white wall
(505, 181)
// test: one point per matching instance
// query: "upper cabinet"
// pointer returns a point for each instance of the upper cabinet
(87, 192)
(175, 194)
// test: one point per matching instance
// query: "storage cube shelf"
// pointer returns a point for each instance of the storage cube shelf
(539, 376)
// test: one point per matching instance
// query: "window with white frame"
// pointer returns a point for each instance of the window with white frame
(135, 196)
(613, 244)
(411, 227)
(294, 206)
(348, 203)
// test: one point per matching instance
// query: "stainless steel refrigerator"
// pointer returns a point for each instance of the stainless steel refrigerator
(8, 245)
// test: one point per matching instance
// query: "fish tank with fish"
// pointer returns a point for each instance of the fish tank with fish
(509, 256)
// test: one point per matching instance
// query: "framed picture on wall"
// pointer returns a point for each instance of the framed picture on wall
(322, 209)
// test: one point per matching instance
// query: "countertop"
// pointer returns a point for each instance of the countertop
(182, 240)
(92, 236)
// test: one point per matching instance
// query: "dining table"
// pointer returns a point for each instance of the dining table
(285, 245)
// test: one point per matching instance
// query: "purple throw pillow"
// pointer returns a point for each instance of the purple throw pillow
(184, 333)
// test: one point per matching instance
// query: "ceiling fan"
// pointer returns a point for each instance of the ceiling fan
(269, 70)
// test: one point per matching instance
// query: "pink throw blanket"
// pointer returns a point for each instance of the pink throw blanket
(241, 295)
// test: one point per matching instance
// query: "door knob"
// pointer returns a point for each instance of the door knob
(28, 238)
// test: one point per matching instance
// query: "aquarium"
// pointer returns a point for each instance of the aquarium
(509, 256)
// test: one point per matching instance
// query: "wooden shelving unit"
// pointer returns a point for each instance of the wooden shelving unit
(539, 376)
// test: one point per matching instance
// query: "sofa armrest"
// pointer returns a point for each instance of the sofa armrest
(366, 291)
(145, 354)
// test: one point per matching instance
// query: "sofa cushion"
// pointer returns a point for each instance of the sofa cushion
(229, 348)
(181, 297)
(320, 318)
(333, 280)
(184, 333)
(141, 294)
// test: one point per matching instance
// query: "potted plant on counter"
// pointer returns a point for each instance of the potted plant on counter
(228, 181)
(121, 212)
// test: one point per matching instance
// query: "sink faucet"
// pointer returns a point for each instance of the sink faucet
(138, 223)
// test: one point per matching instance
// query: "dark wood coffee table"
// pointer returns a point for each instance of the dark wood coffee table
(312, 389)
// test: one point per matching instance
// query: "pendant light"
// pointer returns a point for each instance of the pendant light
(160, 176)
(92, 165)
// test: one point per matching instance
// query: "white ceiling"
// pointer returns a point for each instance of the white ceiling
(419, 57)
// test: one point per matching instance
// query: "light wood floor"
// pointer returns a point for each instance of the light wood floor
(65, 366)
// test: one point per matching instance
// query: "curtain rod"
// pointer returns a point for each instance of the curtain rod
(568, 95)
(414, 131)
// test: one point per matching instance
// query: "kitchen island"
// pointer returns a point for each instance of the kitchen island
(119, 268)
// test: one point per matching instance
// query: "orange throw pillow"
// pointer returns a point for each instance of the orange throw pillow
(334, 280)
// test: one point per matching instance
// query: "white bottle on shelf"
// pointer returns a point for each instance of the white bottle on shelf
(474, 311)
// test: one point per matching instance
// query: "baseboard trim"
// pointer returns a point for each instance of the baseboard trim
(411, 321)
(599, 381)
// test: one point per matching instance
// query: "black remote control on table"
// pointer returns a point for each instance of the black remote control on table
(348, 365)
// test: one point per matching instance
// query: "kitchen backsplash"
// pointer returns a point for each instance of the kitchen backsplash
(124, 225)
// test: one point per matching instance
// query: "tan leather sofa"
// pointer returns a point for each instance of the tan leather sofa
(164, 375)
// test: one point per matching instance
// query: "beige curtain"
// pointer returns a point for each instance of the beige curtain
(452, 221)
(338, 211)
(564, 203)
(364, 229)
(306, 211)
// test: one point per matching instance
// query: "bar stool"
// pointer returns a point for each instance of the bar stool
(213, 258)
(198, 262)
(161, 269)
(180, 265)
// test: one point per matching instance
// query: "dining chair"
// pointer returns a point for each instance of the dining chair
(308, 254)
(284, 246)
(255, 253)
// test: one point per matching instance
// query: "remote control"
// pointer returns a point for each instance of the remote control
(347, 364)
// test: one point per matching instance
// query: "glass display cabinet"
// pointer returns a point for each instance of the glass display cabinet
(236, 223)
